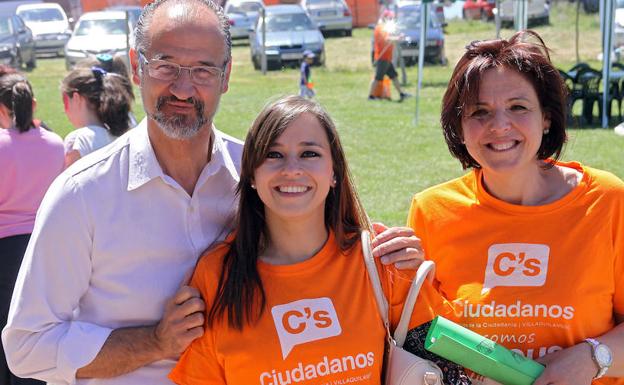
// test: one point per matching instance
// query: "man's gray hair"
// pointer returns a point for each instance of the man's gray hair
(141, 43)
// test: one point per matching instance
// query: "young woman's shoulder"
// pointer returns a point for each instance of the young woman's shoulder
(605, 179)
(458, 189)
(210, 264)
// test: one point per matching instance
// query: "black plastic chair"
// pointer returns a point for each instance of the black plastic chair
(574, 92)
(589, 80)
(573, 72)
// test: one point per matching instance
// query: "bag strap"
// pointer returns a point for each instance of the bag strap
(424, 269)
(400, 333)
(373, 275)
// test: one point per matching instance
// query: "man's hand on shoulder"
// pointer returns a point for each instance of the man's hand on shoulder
(182, 322)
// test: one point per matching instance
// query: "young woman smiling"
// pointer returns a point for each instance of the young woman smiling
(288, 296)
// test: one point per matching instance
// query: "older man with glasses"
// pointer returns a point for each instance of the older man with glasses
(101, 297)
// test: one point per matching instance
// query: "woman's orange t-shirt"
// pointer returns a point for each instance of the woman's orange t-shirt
(320, 325)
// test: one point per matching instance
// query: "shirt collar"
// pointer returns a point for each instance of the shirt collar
(221, 156)
(143, 165)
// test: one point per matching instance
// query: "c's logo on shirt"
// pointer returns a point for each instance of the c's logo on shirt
(516, 264)
(304, 321)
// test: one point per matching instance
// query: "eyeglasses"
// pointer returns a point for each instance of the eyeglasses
(169, 71)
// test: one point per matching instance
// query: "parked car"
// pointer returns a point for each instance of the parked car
(243, 15)
(134, 12)
(436, 6)
(98, 32)
(408, 25)
(538, 12)
(49, 25)
(289, 32)
(330, 15)
(17, 45)
(589, 6)
(408, 28)
(479, 9)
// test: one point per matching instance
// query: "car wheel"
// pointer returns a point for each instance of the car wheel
(321, 61)
(256, 63)
(484, 16)
(17, 61)
(348, 33)
(32, 63)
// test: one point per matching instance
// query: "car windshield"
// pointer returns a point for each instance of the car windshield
(409, 18)
(39, 15)
(323, 3)
(289, 22)
(5, 26)
(245, 7)
(101, 27)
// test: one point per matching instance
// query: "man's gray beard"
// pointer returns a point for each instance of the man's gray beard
(178, 126)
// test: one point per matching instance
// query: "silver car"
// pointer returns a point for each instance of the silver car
(98, 32)
(330, 15)
(289, 32)
(538, 12)
(243, 15)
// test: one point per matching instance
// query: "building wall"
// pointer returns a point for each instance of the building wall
(96, 5)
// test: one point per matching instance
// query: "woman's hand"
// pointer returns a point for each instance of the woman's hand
(570, 366)
(397, 245)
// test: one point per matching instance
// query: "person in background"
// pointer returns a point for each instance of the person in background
(97, 104)
(30, 158)
(306, 87)
(109, 63)
(529, 248)
(295, 254)
(384, 38)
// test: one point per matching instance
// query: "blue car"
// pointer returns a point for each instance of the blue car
(408, 25)
(289, 32)
(17, 44)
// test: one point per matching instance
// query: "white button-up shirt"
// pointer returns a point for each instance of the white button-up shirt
(113, 239)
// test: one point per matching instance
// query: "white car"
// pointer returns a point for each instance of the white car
(49, 25)
(243, 15)
(99, 32)
(538, 12)
(289, 32)
(330, 15)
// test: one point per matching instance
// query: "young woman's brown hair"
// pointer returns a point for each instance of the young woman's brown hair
(108, 94)
(17, 96)
(239, 293)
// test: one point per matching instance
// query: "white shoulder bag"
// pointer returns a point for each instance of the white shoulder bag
(401, 367)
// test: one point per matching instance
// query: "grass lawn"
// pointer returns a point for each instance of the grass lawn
(390, 156)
